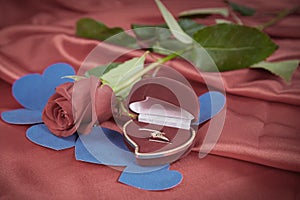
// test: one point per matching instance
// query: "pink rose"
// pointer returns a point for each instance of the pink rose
(78, 106)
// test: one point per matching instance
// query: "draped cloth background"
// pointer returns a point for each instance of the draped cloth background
(256, 157)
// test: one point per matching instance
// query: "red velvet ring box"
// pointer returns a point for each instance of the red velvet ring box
(162, 133)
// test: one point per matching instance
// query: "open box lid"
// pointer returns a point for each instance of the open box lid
(155, 111)
(165, 98)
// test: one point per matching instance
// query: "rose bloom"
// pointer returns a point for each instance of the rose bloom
(77, 107)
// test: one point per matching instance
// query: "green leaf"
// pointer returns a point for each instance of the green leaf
(92, 29)
(190, 26)
(74, 77)
(151, 32)
(100, 70)
(176, 30)
(160, 38)
(160, 32)
(243, 10)
(193, 53)
(169, 46)
(234, 46)
(111, 66)
(123, 39)
(204, 12)
(116, 76)
(284, 69)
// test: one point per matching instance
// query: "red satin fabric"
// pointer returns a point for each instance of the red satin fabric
(261, 126)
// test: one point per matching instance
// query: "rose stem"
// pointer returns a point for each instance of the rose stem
(282, 14)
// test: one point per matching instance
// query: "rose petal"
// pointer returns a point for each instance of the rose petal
(103, 103)
(57, 114)
(65, 90)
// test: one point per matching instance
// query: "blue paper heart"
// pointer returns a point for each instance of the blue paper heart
(155, 180)
(33, 91)
(40, 134)
(22, 116)
(82, 154)
(211, 103)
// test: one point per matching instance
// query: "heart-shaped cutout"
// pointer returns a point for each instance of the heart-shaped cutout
(211, 104)
(33, 91)
(40, 134)
(22, 116)
(161, 179)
